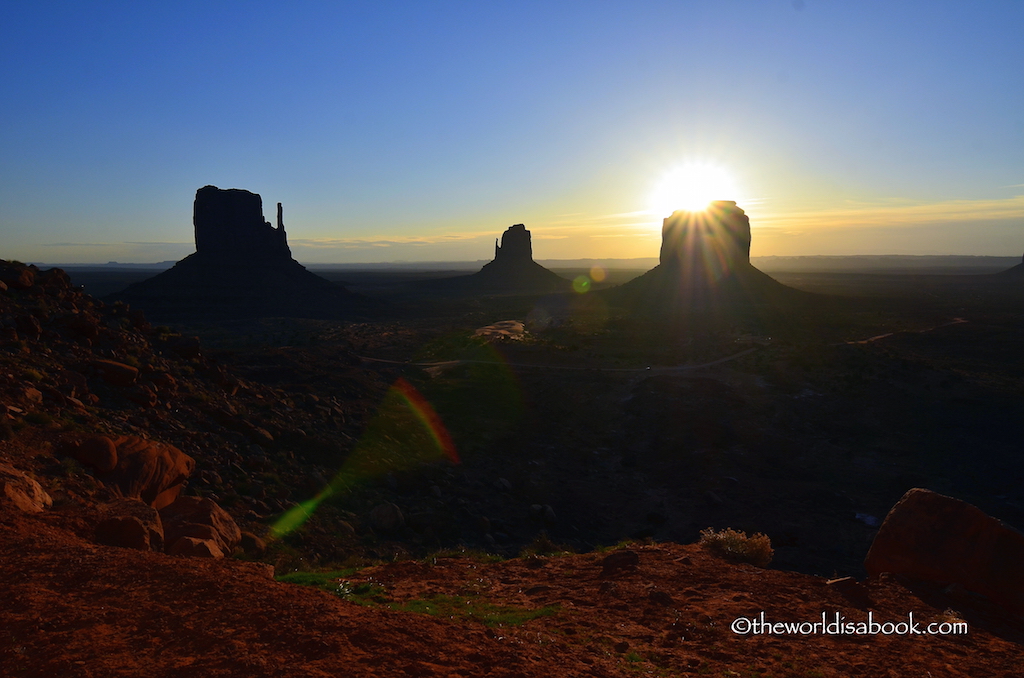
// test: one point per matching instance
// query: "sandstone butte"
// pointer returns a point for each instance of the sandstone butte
(704, 267)
(242, 267)
(512, 270)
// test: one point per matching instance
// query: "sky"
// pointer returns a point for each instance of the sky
(420, 131)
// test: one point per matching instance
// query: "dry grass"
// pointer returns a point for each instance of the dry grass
(737, 546)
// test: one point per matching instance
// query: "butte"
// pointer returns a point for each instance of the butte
(704, 268)
(512, 271)
(242, 268)
(1015, 272)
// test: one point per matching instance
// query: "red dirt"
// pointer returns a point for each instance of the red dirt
(74, 608)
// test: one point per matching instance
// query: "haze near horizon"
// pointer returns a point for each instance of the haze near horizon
(420, 133)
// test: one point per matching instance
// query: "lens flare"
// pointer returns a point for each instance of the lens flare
(581, 284)
(376, 455)
(428, 417)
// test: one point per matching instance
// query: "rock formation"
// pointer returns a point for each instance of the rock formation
(1015, 272)
(515, 247)
(229, 227)
(932, 537)
(704, 266)
(242, 267)
(513, 270)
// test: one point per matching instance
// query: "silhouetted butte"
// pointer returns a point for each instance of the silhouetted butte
(512, 270)
(704, 266)
(242, 268)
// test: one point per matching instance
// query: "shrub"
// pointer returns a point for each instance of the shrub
(542, 545)
(737, 546)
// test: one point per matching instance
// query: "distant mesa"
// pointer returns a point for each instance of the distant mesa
(704, 264)
(242, 267)
(513, 270)
(1015, 272)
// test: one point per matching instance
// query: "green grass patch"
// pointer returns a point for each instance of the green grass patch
(488, 614)
(321, 580)
(476, 555)
(363, 593)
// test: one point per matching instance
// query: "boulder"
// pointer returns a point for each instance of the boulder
(196, 548)
(932, 537)
(129, 523)
(98, 452)
(620, 561)
(148, 470)
(21, 491)
(387, 517)
(201, 519)
(252, 544)
(115, 373)
(16, 276)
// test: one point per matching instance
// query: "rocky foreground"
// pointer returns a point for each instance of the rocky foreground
(138, 478)
(75, 608)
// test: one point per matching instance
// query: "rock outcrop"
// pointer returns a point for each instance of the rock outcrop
(21, 491)
(131, 524)
(149, 470)
(704, 266)
(195, 526)
(932, 537)
(512, 270)
(229, 226)
(242, 268)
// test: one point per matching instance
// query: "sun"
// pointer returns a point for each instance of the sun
(692, 186)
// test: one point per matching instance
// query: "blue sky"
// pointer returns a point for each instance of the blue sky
(421, 130)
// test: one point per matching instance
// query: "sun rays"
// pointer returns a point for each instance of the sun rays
(691, 186)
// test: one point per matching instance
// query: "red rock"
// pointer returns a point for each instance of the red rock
(932, 537)
(141, 395)
(252, 544)
(196, 548)
(129, 523)
(115, 373)
(28, 326)
(151, 471)
(619, 561)
(54, 279)
(16, 277)
(202, 519)
(81, 325)
(22, 491)
(163, 381)
(97, 452)
(387, 517)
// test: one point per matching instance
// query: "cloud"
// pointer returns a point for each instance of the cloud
(111, 244)
(78, 244)
(906, 214)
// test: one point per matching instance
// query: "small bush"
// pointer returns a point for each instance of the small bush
(737, 546)
(542, 545)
